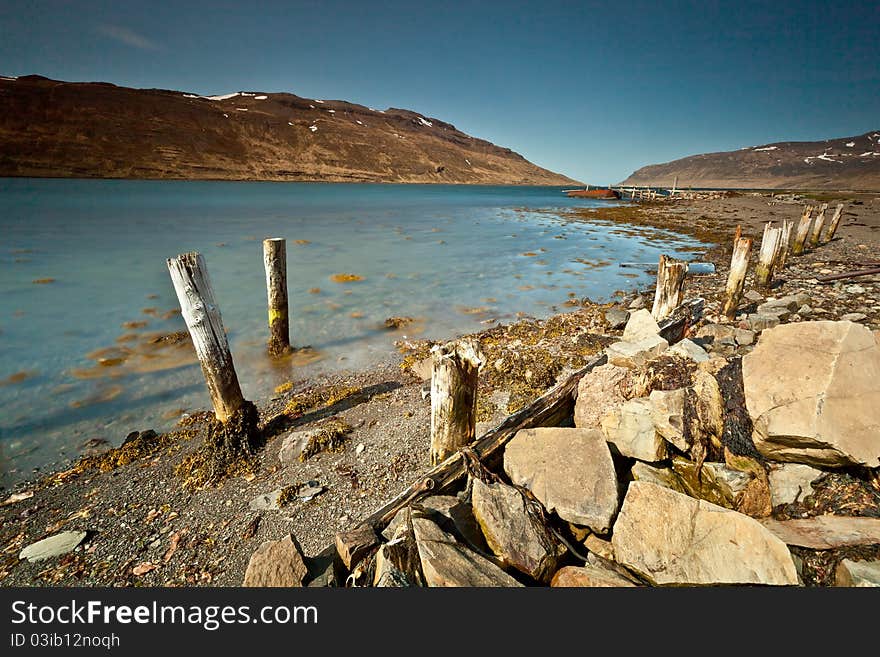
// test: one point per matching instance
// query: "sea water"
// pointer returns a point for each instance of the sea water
(81, 355)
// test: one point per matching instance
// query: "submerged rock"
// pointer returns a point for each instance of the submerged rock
(813, 390)
(670, 538)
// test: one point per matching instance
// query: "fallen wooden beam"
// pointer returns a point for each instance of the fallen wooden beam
(848, 274)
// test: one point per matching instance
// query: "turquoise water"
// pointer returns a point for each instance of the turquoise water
(449, 256)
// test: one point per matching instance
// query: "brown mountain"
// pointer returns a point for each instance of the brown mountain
(94, 129)
(851, 163)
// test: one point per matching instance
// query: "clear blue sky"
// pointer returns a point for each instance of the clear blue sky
(593, 90)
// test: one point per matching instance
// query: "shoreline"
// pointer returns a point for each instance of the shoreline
(134, 511)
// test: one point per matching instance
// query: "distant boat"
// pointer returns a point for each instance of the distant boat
(600, 193)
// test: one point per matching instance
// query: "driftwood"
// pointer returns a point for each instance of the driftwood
(554, 406)
(818, 225)
(200, 311)
(835, 222)
(739, 264)
(670, 283)
(275, 262)
(849, 274)
(803, 229)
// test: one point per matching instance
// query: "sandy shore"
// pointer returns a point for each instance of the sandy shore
(146, 527)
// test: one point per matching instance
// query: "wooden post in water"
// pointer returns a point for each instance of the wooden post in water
(767, 256)
(670, 281)
(275, 262)
(784, 241)
(202, 316)
(453, 396)
(819, 224)
(803, 229)
(835, 221)
(739, 264)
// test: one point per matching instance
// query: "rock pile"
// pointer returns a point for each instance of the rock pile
(683, 468)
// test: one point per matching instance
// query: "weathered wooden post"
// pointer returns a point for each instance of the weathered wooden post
(784, 240)
(456, 366)
(670, 281)
(739, 264)
(737, 234)
(819, 224)
(232, 436)
(767, 255)
(835, 221)
(275, 262)
(803, 229)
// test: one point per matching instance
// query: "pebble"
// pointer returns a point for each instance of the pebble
(360, 448)
(855, 289)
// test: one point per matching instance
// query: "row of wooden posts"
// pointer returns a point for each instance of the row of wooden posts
(455, 365)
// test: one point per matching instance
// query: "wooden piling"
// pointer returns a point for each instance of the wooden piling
(670, 282)
(835, 222)
(737, 234)
(739, 264)
(803, 229)
(199, 309)
(275, 262)
(453, 396)
(767, 256)
(818, 225)
(784, 242)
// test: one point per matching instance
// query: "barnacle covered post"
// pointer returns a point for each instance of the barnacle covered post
(835, 222)
(453, 396)
(767, 256)
(739, 264)
(803, 229)
(670, 281)
(231, 437)
(819, 224)
(275, 262)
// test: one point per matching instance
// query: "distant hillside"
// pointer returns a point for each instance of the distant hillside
(846, 163)
(71, 129)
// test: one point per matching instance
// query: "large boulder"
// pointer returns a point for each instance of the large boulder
(630, 429)
(667, 413)
(637, 353)
(813, 392)
(569, 470)
(641, 324)
(446, 562)
(600, 390)
(858, 573)
(673, 539)
(276, 563)
(510, 532)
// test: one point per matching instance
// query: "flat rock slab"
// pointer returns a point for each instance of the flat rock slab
(293, 445)
(826, 532)
(276, 564)
(266, 501)
(510, 533)
(790, 481)
(600, 390)
(630, 429)
(570, 471)
(673, 539)
(448, 563)
(636, 354)
(858, 573)
(812, 390)
(588, 576)
(53, 546)
(690, 350)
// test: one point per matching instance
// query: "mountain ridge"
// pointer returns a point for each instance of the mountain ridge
(841, 163)
(52, 128)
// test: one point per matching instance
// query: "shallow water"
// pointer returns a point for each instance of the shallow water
(76, 361)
